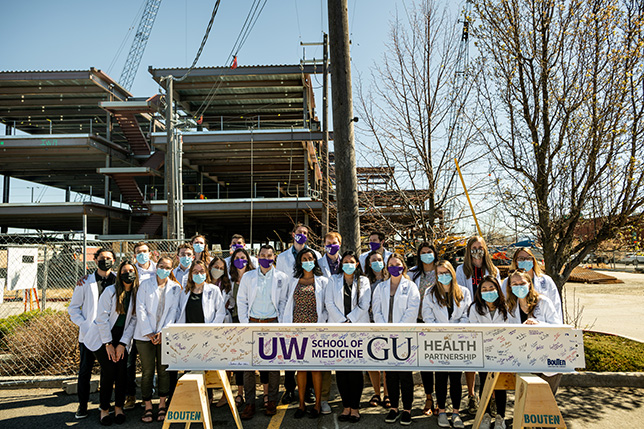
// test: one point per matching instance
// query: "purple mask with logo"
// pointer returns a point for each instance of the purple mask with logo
(240, 263)
(374, 246)
(265, 263)
(237, 246)
(395, 271)
(332, 249)
(300, 238)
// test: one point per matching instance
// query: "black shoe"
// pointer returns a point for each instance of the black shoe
(405, 418)
(288, 397)
(314, 414)
(299, 413)
(309, 398)
(81, 412)
(119, 419)
(106, 421)
(343, 417)
(354, 419)
(392, 416)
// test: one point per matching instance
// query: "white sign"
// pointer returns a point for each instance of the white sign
(22, 268)
(430, 347)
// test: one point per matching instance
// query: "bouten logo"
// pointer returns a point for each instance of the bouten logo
(557, 363)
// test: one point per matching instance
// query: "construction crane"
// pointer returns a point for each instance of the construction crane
(139, 43)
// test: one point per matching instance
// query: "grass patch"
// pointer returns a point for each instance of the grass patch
(9, 324)
(609, 353)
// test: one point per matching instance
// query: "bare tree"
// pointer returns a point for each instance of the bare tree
(560, 91)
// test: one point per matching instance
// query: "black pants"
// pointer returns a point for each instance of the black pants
(350, 385)
(131, 371)
(290, 383)
(113, 376)
(239, 378)
(87, 360)
(455, 389)
(428, 381)
(400, 382)
(500, 396)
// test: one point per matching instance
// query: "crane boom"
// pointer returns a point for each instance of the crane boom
(139, 43)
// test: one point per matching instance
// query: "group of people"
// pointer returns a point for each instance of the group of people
(121, 311)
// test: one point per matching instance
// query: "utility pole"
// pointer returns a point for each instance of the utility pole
(170, 168)
(326, 198)
(346, 183)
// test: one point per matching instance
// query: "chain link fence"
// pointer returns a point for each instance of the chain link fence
(37, 279)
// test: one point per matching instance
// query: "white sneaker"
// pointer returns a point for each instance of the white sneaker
(442, 420)
(457, 422)
(485, 423)
(499, 422)
(325, 408)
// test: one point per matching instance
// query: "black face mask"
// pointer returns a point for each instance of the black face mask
(128, 277)
(105, 264)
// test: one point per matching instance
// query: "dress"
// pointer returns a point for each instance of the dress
(304, 304)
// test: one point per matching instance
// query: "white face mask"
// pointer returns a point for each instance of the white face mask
(216, 273)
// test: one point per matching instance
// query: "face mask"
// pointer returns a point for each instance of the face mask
(237, 246)
(427, 258)
(162, 273)
(445, 278)
(198, 278)
(525, 265)
(265, 263)
(105, 264)
(308, 266)
(300, 238)
(240, 263)
(374, 246)
(198, 247)
(490, 296)
(521, 291)
(477, 253)
(332, 249)
(395, 271)
(128, 277)
(215, 273)
(186, 261)
(377, 266)
(348, 268)
(143, 258)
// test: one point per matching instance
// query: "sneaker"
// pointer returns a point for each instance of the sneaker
(457, 422)
(499, 422)
(392, 416)
(405, 418)
(442, 420)
(325, 408)
(288, 397)
(130, 403)
(309, 398)
(472, 404)
(485, 423)
(81, 412)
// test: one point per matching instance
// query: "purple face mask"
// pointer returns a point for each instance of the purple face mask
(300, 238)
(395, 271)
(237, 246)
(240, 263)
(332, 249)
(265, 262)
(374, 245)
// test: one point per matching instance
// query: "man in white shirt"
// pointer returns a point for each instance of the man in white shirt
(185, 256)
(376, 244)
(286, 260)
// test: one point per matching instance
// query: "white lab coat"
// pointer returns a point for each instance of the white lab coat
(544, 312)
(546, 286)
(147, 302)
(100, 331)
(433, 312)
(146, 274)
(82, 307)
(285, 261)
(335, 299)
(248, 292)
(406, 302)
(475, 317)
(385, 257)
(212, 302)
(463, 281)
(320, 289)
(324, 265)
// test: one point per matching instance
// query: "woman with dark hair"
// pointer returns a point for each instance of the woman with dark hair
(110, 338)
(347, 301)
(306, 305)
(201, 301)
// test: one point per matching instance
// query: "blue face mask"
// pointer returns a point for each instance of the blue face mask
(490, 296)
(377, 266)
(427, 258)
(198, 278)
(445, 278)
(163, 273)
(520, 291)
(186, 261)
(348, 268)
(525, 265)
(198, 247)
(143, 258)
(308, 266)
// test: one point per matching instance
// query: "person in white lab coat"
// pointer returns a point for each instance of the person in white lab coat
(330, 261)
(476, 265)
(237, 242)
(110, 338)
(200, 246)
(376, 243)
(286, 260)
(201, 301)
(183, 260)
(397, 300)
(489, 306)
(157, 305)
(82, 312)
(524, 259)
(447, 302)
(219, 276)
(306, 305)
